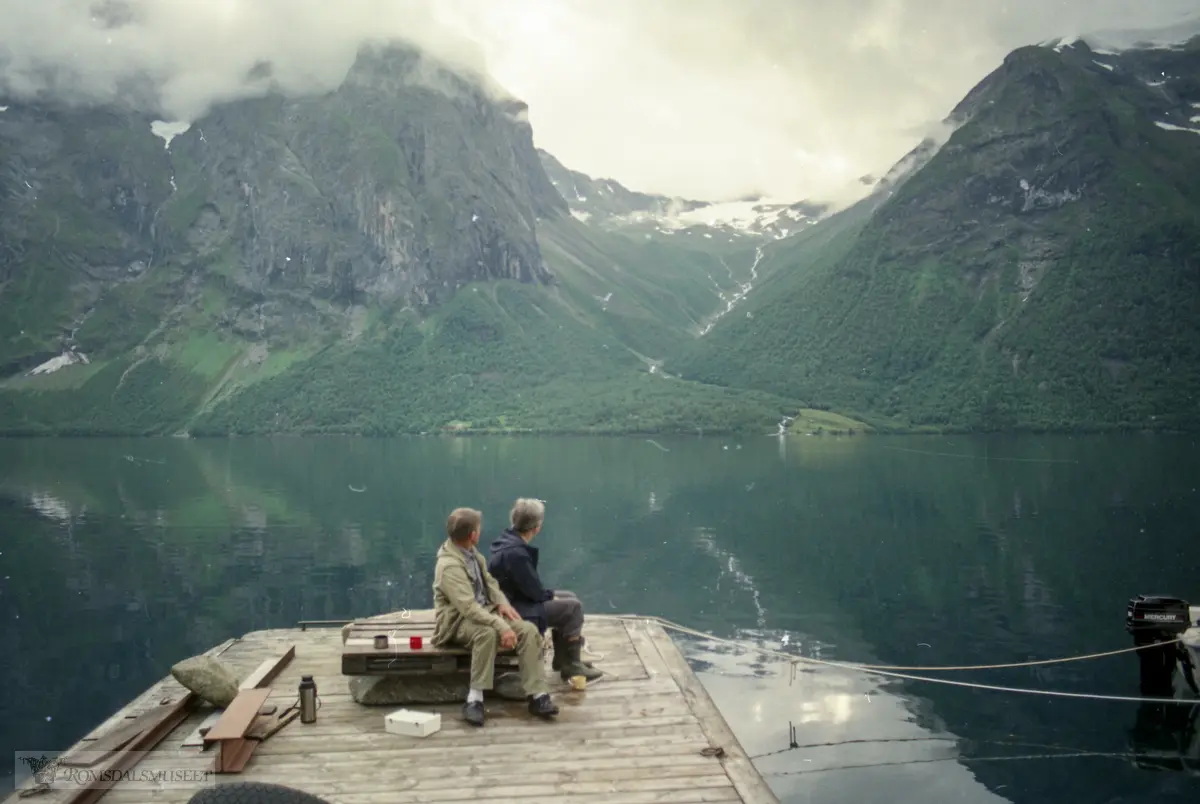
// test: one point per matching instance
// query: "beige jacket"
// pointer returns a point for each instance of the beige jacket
(454, 595)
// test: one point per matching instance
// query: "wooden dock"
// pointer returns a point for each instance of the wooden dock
(644, 733)
(1191, 637)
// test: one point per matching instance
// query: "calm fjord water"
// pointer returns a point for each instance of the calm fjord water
(121, 557)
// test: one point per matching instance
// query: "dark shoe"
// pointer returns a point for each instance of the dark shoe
(473, 712)
(542, 706)
(574, 667)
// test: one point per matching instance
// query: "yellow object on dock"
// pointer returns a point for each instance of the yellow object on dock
(645, 734)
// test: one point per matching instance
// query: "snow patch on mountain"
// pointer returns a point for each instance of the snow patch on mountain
(762, 218)
(1114, 41)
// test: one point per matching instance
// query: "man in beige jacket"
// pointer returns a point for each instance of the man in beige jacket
(471, 612)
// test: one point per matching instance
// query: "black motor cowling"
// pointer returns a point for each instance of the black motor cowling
(1156, 623)
(1156, 618)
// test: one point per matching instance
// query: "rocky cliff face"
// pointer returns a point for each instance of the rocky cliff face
(602, 199)
(404, 184)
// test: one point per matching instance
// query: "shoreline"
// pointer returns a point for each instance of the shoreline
(904, 432)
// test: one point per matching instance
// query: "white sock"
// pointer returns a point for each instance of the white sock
(475, 696)
(541, 695)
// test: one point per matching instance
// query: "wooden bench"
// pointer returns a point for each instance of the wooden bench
(409, 650)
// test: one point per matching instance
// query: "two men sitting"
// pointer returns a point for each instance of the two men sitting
(472, 611)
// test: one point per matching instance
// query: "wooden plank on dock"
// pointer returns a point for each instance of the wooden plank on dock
(171, 716)
(229, 732)
(266, 672)
(110, 742)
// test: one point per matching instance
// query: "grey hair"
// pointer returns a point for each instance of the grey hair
(527, 514)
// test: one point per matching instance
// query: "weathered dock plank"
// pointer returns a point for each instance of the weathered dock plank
(638, 735)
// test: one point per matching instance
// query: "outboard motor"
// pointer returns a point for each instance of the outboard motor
(1156, 623)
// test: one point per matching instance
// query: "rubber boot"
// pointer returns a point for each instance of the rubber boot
(559, 654)
(582, 643)
(560, 650)
(559, 644)
(573, 667)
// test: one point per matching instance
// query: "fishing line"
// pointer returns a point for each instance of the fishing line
(1072, 755)
(926, 739)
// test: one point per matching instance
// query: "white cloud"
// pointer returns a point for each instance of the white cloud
(788, 98)
(700, 98)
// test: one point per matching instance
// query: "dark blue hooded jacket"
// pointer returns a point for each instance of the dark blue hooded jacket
(513, 564)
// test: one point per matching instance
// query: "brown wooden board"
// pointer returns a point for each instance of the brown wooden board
(238, 715)
(170, 717)
(266, 672)
(111, 741)
(367, 627)
(264, 727)
(413, 615)
(384, 663)
(404, 626)
(233, 754)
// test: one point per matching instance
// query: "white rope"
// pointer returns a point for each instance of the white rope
(875, 670)
(859, 666)
(1055, 693)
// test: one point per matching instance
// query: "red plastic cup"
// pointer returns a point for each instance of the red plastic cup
(414, 642)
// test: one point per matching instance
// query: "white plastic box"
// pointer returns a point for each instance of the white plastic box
(412, 724)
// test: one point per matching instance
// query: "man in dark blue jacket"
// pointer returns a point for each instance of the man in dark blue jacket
(514, 565)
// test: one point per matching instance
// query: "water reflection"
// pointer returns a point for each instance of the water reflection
(1166, 737)
(730, 571)
(831, 548)
(855, 740)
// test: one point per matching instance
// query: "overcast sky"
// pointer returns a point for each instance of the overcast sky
(701, 98)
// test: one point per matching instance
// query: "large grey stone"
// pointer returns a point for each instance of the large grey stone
(208, 678)
(401, 691)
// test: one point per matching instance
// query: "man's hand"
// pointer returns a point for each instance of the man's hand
(508, 612)
(508, 640)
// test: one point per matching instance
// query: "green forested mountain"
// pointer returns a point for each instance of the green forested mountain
(1041, 270)
(397, 257)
